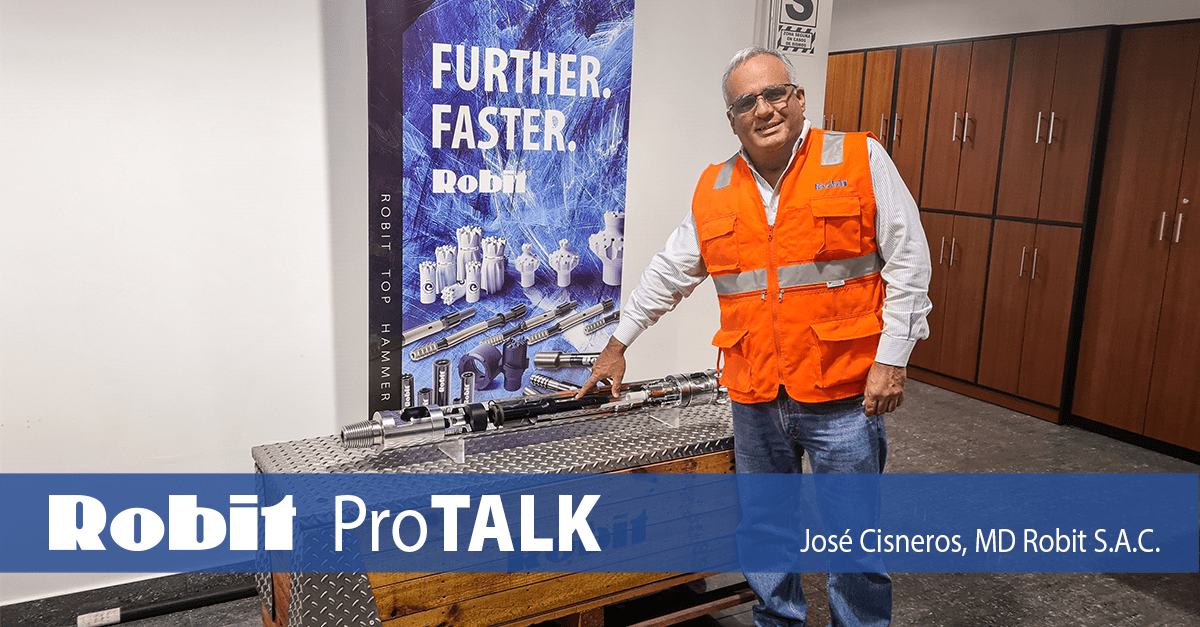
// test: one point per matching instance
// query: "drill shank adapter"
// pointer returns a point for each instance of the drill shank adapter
(427, 424)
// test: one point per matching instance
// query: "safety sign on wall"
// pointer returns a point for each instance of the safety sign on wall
(796, 26)
(497, 191)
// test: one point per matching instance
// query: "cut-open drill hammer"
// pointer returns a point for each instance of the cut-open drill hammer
(422, 425)
(447, 321)
(531, 323)
(572, 320)
(497, 320)
(553, 360)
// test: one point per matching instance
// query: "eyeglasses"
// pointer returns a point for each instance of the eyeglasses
(775, 95)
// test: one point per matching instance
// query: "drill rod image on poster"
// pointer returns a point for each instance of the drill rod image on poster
(498, 320)
(574, 319)
(596, 325)
(532, 323)
(447, 321)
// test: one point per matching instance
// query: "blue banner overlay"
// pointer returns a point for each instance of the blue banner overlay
(600, 523)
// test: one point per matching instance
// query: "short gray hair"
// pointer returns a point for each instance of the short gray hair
(744, 55)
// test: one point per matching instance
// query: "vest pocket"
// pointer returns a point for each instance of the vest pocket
(718, 243)
(847, 347)
(736, 373)
(841, 220)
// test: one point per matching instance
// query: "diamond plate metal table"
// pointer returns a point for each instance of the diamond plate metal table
(634, 442)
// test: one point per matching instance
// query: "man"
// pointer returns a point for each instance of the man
(822, 272)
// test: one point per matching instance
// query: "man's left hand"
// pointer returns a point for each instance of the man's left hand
(885, 389)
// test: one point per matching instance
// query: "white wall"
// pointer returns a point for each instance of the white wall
(677, 127)
(166, 292)
(861, 24)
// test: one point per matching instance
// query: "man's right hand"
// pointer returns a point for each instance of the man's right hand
(609, 368)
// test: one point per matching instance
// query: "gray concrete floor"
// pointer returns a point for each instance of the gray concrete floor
(935, 431)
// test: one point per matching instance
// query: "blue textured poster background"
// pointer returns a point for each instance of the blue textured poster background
(569, 188)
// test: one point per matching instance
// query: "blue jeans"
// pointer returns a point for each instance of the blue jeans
(772, 437)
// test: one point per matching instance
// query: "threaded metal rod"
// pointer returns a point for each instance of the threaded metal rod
(554, 385)
(365, 434)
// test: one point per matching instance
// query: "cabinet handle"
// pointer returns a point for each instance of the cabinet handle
(896, 127)
(942, 254)
(966, 121)
(1037, 138)
(1033, 272)
(882, 121)
(1022, 273)
(952, 241)
(832, 123)
(1178, 226)
(954, 135)
(825, 121)
(1050, 135)
(1162, 226)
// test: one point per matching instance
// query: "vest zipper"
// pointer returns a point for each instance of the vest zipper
(774, 306)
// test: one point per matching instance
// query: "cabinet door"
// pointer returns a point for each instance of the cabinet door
(1007, 297)
(939, 229)
(1173, 413)
(1047, 318)
(983, 123)
(967, 271)
(947, 101)
(1072, 130)
(1142, 169)
(878, 79)
(843, 91)
(912, 106)
(1027, 126)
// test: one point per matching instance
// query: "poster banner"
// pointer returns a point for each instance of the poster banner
(796, 27)
(497, 190)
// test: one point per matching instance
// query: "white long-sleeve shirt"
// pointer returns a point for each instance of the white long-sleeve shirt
(678, 268)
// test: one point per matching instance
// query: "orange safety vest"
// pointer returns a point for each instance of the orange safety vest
(801, 301)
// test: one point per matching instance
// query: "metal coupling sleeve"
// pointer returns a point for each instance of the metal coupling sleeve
(516, 361)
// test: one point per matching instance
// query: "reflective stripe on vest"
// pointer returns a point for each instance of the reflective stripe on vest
(831, 149)
(726, 174)
(831, 154)
(800, 275)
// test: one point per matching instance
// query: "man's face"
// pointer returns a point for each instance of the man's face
(767, 131)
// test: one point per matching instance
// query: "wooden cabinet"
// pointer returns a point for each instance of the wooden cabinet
(1173, 413)
(879, 78)
(966, 118)
(843, 91)
(908, 120)
(939, 229)
(1138, 352)
(999, 140)
(1031, 281)
(983, 123)
(943, 143)
(959, 245)
(1051, 125)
